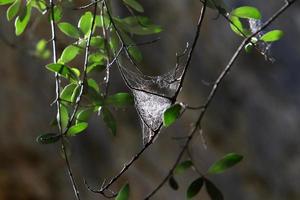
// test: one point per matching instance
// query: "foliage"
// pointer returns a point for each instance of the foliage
(97, 38)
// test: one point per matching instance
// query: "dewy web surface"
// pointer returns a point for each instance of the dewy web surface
(152, 96)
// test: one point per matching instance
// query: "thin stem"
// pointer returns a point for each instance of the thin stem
(58, 102)
(148, 144)
(213, 93)
(84, 76)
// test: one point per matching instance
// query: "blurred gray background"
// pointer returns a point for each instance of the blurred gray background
(255, 113)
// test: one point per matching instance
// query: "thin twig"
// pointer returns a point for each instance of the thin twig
(118, 32)
(213, 93)
(84, 76)
(58, 103)
(148, 144)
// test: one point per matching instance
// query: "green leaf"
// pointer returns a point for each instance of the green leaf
(226, 162)
(247, 12)
(69, 30)
(237, 26)
(99, 19)
(77, 128)
(96, 66)
(123, 194)
(120, 99)
(97, 41)
(13, 10)
(138, 25)
(21, 22)
(135, 5)
(194, 188)
(97, 58)
(213, 191)
(41, 45)
(171, 114)
(109, 120)
(84, 115)
(69, 53)
(183, 166)
(48, 138)
(272, 36)
(75, 93)
(4, 2)
(40, 5)
(64, 116)
(67, 92)
(85, 23)
(93, 84)
(58, 13)
(173, 183)
(248, 47)
(62, 70)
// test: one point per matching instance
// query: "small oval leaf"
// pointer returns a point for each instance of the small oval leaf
(183, 166)
(123, 194)
(173, 183)
(77, 128)
(226, 162)
(48, 138)
(213, 191)
(171, 114)
(272, 36)
(69, 53)
(69, 30)
(248, 12)
(194, 188)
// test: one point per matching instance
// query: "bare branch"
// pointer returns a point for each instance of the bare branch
(58, 102)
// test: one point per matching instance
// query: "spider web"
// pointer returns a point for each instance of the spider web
(264, 47)
(152, 95)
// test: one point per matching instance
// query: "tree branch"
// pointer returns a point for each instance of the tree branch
(213, 93)
(58, 102)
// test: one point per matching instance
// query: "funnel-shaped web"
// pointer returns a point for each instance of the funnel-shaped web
(265, 47)
(152, 96)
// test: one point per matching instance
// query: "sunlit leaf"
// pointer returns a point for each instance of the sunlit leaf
(67, 92)
(97, 41)
(84, 115)
(62, 70)
(237, 26)
(171, 114)
(22, 21)
(13, 10)
(85, 23)
(4, 2)
(69, 53)
(58, 13)
(69, 30)
(77, 128)
(272, 36)
(224, 163)
(247, 12)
